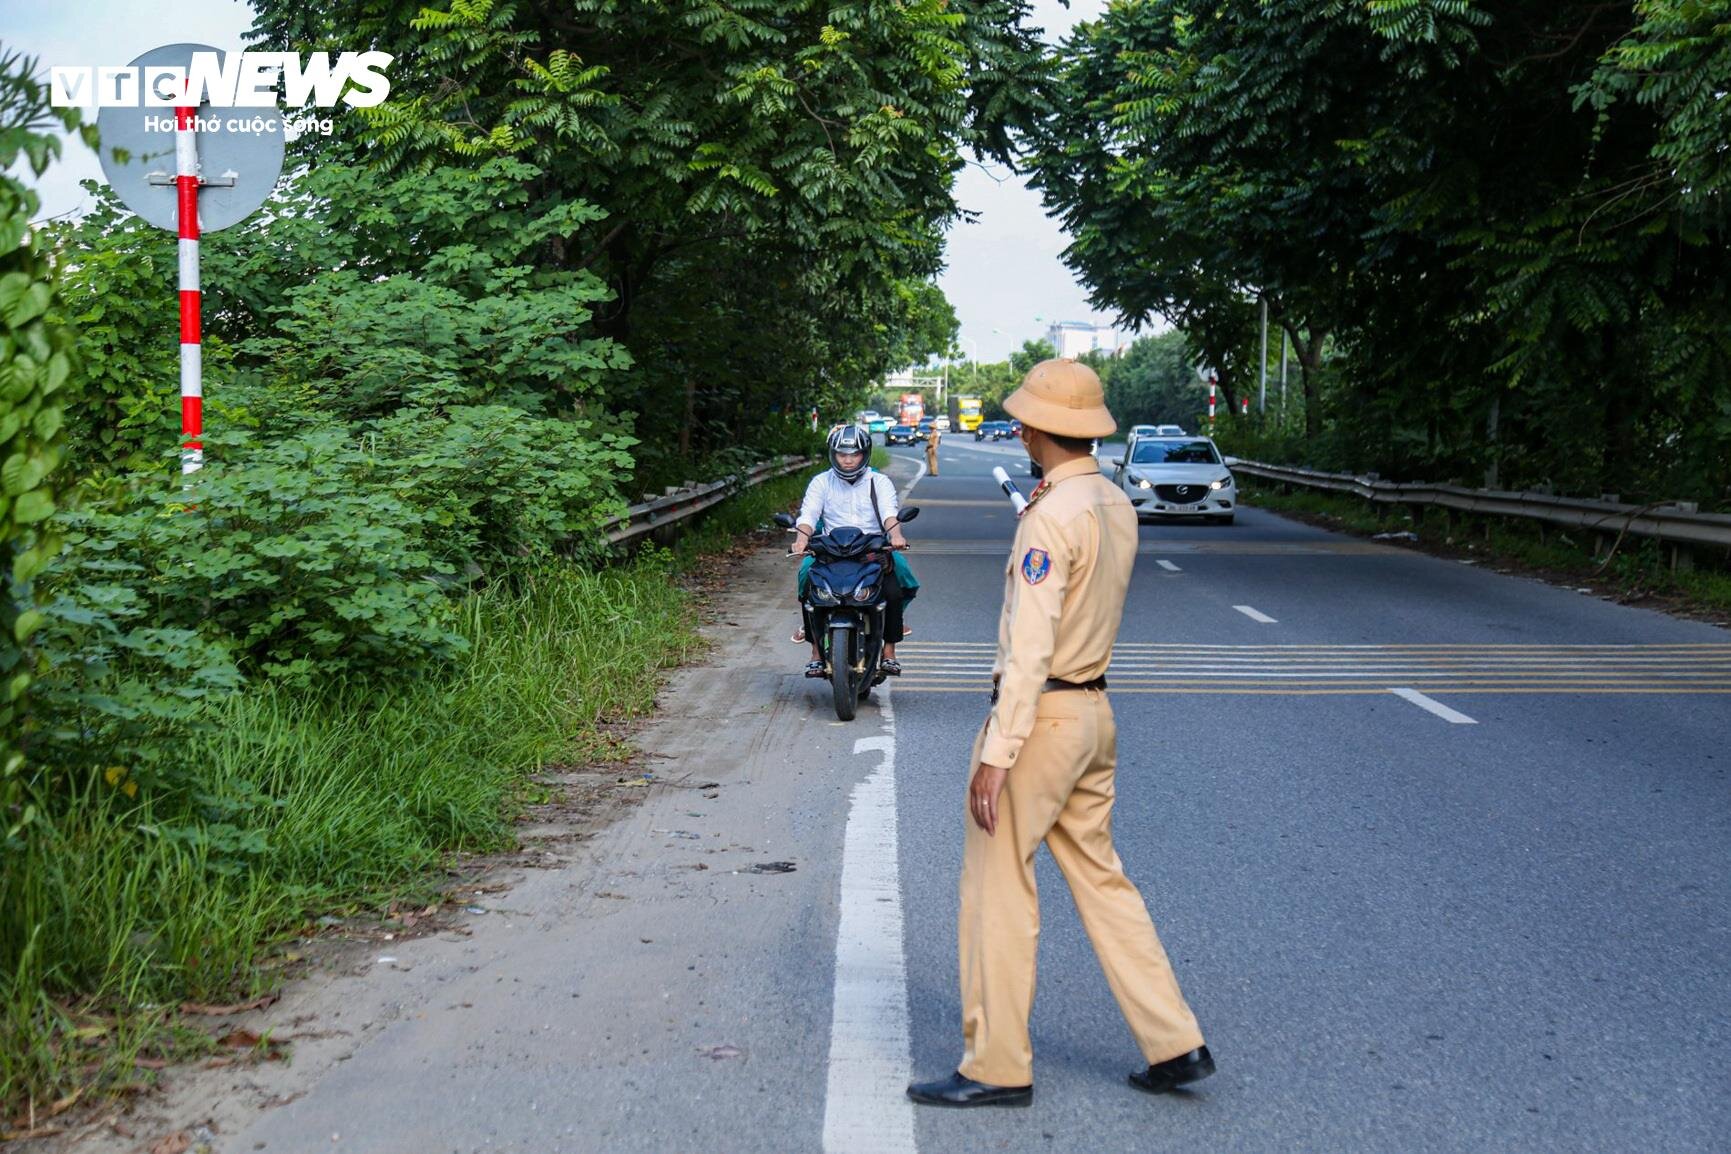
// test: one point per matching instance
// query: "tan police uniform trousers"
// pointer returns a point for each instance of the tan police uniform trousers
(1059, 791)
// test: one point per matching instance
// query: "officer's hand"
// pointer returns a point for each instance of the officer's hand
(983, 794)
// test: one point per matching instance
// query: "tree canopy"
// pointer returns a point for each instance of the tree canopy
(765, 182)
(1502, 226)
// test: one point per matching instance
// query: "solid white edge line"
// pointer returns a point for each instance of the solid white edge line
(918, 477)
(866, 1107)
(1168, 566)
(1256, 615)
(1431, 705)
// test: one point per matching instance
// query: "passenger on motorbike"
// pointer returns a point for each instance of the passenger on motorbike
(851, 493)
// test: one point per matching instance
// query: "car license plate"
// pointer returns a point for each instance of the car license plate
(1185, 508)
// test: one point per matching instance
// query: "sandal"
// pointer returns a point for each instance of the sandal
(890, 666)
(799, 636)
(816, 669)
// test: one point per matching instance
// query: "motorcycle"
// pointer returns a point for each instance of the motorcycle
(845, 605)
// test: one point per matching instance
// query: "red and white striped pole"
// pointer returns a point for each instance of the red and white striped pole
(1211, 388)
(191, 347)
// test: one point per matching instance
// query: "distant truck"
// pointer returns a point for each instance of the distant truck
(911, 408)
(965, 413)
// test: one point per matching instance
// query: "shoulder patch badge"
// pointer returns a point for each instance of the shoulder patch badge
(1035, 565)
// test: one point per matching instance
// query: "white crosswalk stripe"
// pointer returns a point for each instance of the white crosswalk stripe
(1291, 669)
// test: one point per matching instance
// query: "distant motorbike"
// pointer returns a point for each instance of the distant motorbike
(845, 604)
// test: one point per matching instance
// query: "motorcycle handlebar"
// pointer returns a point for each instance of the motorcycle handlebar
(886, 549)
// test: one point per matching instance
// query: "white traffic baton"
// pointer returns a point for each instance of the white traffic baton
(1010, 490)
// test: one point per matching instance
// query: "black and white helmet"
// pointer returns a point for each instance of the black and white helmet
(850, 439)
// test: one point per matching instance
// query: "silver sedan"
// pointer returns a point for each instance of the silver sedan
(1177, 477)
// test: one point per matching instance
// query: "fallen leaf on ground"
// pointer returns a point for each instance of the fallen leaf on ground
(218, 1011)
(26, 1135)
(178, 1142)
(240, 1038)
(725, 1050)
(65, 1104)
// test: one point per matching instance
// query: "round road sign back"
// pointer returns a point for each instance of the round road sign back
(238, 164)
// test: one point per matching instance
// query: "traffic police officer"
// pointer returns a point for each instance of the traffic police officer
(932, 440)
(1044, 769)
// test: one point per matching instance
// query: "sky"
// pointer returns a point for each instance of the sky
(1004, 275)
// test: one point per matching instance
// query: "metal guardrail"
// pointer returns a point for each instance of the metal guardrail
(678, 504)
(1672, 522)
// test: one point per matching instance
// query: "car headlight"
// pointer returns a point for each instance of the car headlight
(822, 593)
(1223, 483)
(1140, 481)
(865, 590)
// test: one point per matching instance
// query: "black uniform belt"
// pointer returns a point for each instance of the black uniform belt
(1053, 684)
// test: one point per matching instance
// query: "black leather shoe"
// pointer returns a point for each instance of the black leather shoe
(959, 1091)
(1176, 1072)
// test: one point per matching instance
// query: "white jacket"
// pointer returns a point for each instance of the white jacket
(836, 503)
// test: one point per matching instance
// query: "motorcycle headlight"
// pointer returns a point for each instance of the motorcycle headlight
(865, 591)
(822, 593)
(1223, 483)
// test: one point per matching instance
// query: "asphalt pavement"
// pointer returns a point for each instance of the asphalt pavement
(1439, 855)
(1505, 930)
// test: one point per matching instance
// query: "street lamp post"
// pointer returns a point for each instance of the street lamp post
(1262, 364)
(974, 361)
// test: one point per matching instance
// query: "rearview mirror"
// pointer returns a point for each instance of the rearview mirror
(907, 514)
(785, 520)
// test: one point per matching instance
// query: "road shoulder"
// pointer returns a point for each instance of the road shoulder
(617, 956)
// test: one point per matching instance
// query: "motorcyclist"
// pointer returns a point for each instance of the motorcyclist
(851, 493)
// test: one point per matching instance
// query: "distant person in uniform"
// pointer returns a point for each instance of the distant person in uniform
(1044, 766)
(932, 451)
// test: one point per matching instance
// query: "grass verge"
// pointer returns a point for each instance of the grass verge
(1638, 573)
(121, 907)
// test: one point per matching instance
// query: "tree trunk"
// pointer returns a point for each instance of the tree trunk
(1309, 360)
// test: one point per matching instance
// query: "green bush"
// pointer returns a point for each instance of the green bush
(502, 484)
(37, 363)
(289, 554)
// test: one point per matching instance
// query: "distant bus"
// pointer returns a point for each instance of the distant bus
(967, 415)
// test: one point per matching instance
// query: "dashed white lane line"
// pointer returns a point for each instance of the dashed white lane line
(1431, 705)
(866, 1107)
(1256, 615)
(1168, 566)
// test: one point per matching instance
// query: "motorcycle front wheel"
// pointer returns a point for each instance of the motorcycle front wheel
(841, 677)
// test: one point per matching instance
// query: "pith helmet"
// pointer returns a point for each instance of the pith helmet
(1062, 397)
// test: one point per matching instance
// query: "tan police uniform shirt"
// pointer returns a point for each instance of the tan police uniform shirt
(1063, 597)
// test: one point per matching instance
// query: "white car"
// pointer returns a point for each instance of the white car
(1177, 477)
(941, 424)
